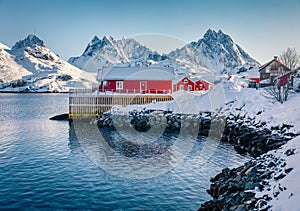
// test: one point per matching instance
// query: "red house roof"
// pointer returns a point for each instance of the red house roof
(269, 63)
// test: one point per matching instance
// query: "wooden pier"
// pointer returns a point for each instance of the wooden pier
(83, 103)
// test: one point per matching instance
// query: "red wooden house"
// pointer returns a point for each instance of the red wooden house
(191, 84)
(201, 84)
(136, 80)
(184, 84)
(271, 70)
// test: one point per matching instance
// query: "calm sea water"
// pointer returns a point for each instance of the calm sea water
(44, 166)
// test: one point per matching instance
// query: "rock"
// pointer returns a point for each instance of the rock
(279, 176)
(240, 149)
(61, 117)
(63, 77)
(290, 152)
(288, 170)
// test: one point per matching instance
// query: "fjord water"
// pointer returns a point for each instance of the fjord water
(42, 165)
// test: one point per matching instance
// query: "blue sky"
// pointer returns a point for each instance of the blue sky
(263, 28)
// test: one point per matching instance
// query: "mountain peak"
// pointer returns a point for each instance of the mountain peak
(30, 41)
(95, 39)
(106, 51)
(107, 39)
(220, 32)
(216, 51)
(210, 34)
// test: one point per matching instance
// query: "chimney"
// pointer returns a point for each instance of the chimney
(276, 57)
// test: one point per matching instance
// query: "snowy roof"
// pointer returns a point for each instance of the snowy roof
(266, 64)
(199, 79)
(136, 73)
(270, 63)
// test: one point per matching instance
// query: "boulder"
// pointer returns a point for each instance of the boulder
(61, 117)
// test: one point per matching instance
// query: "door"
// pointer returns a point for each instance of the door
(143, 86)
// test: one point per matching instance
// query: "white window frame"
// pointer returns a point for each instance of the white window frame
(119, 85)
(185, 81)
(181, 87)
(190, 87)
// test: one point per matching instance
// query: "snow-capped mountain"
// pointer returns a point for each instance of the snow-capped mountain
(31, 66)
(107, 51)
(9, 69)
(30, 41)
(216, 52)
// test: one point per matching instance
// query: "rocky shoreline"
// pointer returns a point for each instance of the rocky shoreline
(232, 189)
(235, 189)
(244, 133)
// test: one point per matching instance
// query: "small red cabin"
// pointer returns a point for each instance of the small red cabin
(201, 84)
(184, 84)
(136, 80)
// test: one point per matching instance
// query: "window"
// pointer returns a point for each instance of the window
(189, 87)
(181, 87)
(119, 85)
(268, 69)
(280, 69)
(185, 81)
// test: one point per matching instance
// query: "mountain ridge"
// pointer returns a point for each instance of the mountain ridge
(216, 52)
(108, 51)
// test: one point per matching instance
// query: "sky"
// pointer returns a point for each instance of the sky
(263, 28)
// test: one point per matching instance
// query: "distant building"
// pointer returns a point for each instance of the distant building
(201, 84)
(253, 82)
(271, 70)
(183, 83)
(191, 84)
(154, 80)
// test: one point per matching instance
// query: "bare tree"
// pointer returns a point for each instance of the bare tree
(290, 58)
(277, 92)
(273, 92)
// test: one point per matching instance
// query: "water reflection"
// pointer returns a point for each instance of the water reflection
(73, 144)
(110, 151)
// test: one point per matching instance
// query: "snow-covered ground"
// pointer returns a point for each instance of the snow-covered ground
(284, 192)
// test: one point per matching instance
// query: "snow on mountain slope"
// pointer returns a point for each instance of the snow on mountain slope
(9, 69)
(216, 51)
(38, 69)
(2, 46)
(106, 52)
